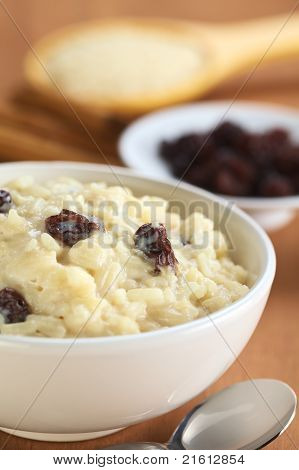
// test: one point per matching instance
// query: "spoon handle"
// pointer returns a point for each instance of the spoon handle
(138, 446)
(248, 43)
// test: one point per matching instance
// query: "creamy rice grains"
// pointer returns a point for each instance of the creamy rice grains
(74, 261)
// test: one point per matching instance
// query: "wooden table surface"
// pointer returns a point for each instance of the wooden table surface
(273, 350)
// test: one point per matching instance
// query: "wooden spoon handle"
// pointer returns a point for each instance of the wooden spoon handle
(239, 45)
(17, 144)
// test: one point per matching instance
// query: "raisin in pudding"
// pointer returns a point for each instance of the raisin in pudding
(92, 260)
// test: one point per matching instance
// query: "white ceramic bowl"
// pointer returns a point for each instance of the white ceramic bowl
(138, 145)
(61, 389)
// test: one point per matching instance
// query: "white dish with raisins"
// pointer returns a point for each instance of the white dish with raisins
(137, 303)
(247, 152)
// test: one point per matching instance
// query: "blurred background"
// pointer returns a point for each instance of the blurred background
(23, 23)
(35, 18)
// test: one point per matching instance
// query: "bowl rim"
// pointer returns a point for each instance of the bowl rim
(246, 202)
(263, 283)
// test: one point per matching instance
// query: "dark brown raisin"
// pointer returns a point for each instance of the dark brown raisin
(260, 151)
(187, 146)
(70, 227)
(287, 160)
(229, 134)
(5, 201)
(264, 148)
(153, 242)
(180, 153)
(202, 174)
(225, 182)
(295, 181)
(13, 306)
(241, 168)
(277, 136)
(275, 185)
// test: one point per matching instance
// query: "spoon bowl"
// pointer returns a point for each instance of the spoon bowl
(184, 60)
(139, 446)
(245, 416)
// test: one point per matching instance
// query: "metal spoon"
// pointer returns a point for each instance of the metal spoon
(247, 415)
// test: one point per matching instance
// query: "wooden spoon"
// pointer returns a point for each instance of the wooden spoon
(128, 66)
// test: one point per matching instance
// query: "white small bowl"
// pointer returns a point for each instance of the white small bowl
(61, 389)
(139, 143)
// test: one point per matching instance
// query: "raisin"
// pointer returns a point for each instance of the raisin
(287, 160)
(295, 181)
(153, 242)
(5, 201)
(184, 150)
(242, 169)
(264, 148)
(188, 145)
(229, 134)
(260, 151)
(201, 174)
(70, 227)
(275, 185)
(277, 136)
(180, 165)
(13, 306)
(225, 182)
